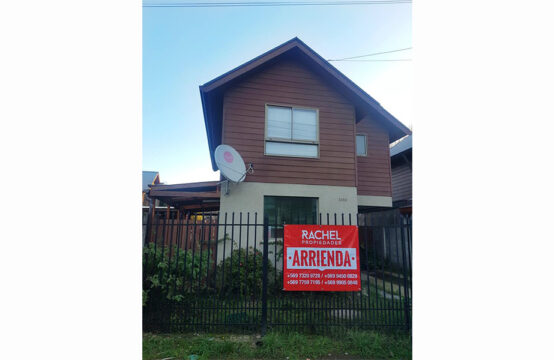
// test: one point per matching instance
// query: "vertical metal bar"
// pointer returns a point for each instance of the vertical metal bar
(217, 292)
(398, 264)
(341, 298)
(216, 296)
(232, 280)
(216, 249)
(163, 241)
(187, 222)
(247, 302)
(161, 274)
(170, 238)
(170, 254)
(209, 249)
(201, 299)
(177, 251)
(153, 217)
(148, 239)
(359, 296)
(377, 312)
(256, 297)
(223, 264)
(367, 312)
(387, 304)
(350, 306)
(327, 301)
(271, 306)
(225, 304)
(393, 301)
(194, 232)
(409, 252)
(240, 293)
(406, 303)
(155, 233)
(148, 223)
(209, 299)
(202, 235)
(232, 302)
(264, 278)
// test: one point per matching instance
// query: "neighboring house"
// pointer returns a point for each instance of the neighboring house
(401, 167)
(149, 178)
(318, 142)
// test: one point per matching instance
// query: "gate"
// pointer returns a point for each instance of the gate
(207, 272)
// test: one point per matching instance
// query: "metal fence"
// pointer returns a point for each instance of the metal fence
(223, 273)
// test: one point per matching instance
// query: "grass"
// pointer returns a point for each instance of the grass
(311, 310)
(292, 346)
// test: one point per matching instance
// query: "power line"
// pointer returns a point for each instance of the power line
(374, 60)
(276, 3)
(378, 53)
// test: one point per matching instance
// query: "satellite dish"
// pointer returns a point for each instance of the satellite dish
(230, 163)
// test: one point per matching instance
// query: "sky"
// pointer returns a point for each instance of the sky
(184, 48)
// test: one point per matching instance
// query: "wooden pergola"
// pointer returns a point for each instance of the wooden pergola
(189, 197)
(184, 203)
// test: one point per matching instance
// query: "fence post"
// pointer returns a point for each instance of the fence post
(405, 275)
(264, 276)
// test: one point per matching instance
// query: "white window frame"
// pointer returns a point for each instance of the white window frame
(365, 145)
(292, 141)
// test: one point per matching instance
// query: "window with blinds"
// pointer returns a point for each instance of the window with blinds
(291, 131)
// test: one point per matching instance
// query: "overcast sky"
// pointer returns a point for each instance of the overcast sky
(187, 47)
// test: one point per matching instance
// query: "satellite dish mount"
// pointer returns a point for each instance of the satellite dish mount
(231, 166)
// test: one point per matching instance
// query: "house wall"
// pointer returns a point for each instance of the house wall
(401, 182)
(374, 173)
(291, 83)
(249, 197)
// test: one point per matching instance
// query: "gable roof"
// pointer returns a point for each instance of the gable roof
(211, 93)
(148, 178)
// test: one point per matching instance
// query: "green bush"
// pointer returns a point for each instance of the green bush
(166, 276)
(241, 273)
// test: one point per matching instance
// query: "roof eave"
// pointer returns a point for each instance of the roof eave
(359, 92)
(396, 130)
(208, 127)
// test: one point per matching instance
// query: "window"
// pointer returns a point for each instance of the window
(291, 131)
(288, 210)
(361, 145)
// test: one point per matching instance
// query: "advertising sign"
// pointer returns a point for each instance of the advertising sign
(321, 258)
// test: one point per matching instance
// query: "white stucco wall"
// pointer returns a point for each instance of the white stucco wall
(381, 201)
(249, 197)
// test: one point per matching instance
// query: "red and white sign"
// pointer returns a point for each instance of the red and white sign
(321, 258)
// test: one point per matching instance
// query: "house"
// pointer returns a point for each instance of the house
(318, 142)
(149, 178)
(401, 170)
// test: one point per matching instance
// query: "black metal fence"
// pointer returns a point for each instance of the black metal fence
(223, 273)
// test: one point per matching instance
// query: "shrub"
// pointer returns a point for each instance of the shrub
(241, 273)
(166, 274)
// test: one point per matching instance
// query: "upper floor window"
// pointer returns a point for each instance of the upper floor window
(361, 145)
(291, 131)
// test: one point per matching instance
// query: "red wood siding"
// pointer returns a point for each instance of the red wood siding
(290, 83)
(401, 182)
(374, 172)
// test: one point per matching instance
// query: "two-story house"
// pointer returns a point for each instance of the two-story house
(318, 142)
